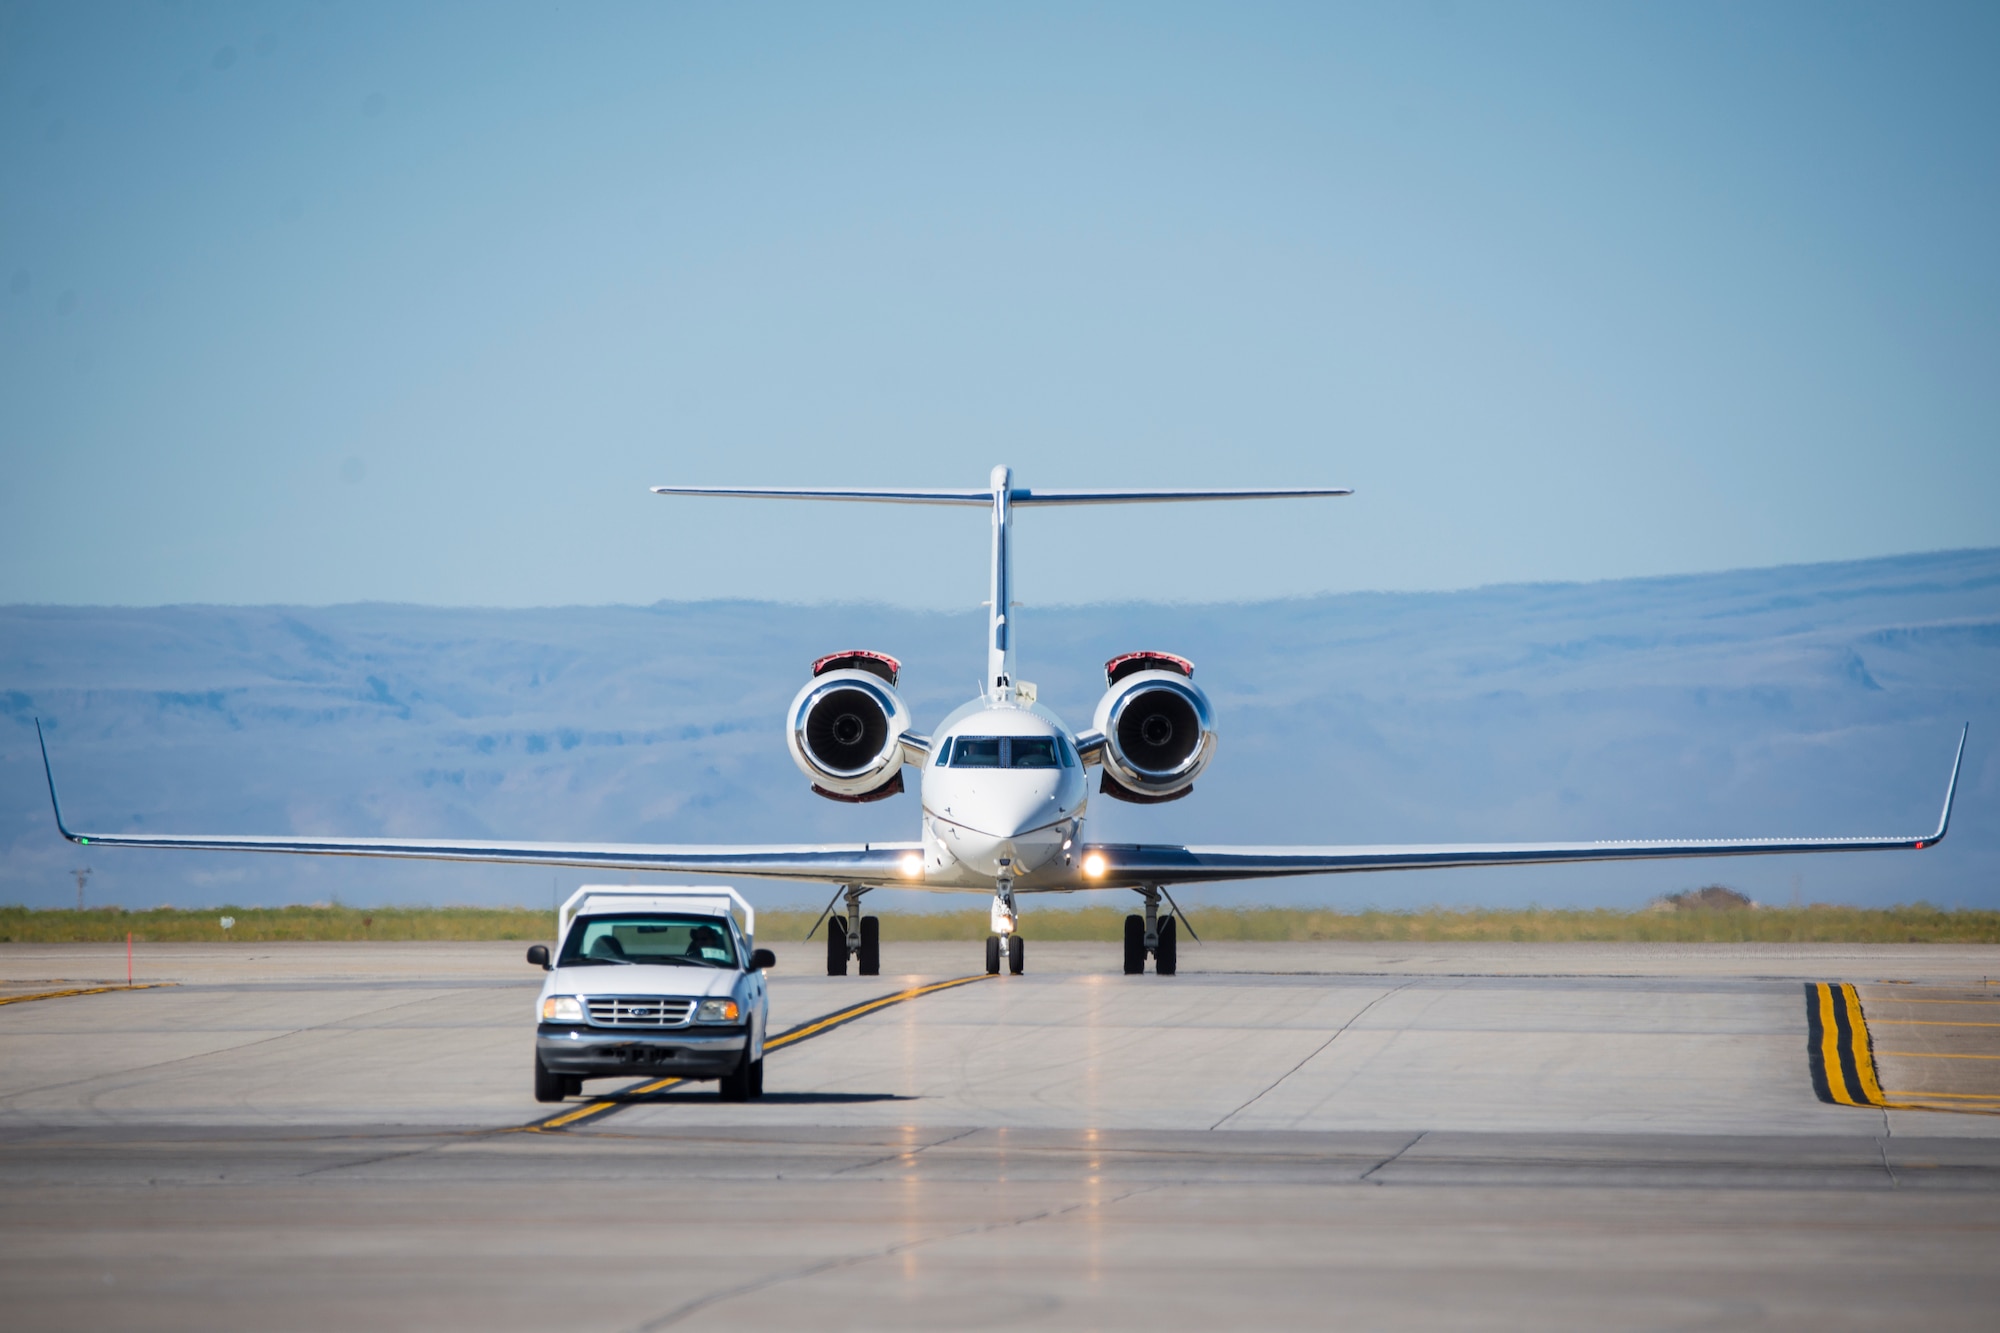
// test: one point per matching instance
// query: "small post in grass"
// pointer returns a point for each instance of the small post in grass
(128, 960)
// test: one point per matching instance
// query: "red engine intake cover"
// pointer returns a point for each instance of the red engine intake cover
(859, 659)
(1126, 664)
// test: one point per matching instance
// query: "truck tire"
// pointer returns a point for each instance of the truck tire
(756, 1078)
(871, 947)
(1166, 956)
(836, 946)
(1135, 945)
(735, 1085)
(549, 1087)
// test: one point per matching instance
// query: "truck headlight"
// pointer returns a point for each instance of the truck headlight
(562, 1009)
(717, 1011)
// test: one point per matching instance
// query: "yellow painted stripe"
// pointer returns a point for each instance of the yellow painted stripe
(812, 1029)
(1930, 1023)
(846, 1015)
(83, 990)
(1938, 1055)
(1829, 1042)
(1864, 1057)
(599, 1108)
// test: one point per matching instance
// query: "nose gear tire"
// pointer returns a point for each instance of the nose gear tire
(992, 955)
(1017, 954)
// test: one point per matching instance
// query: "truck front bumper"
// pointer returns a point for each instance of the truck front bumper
(587, 1052)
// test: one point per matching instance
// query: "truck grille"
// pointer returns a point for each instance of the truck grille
(637, 1011)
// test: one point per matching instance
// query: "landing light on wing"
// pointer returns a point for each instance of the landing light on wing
(913, 865)
(1093, 865)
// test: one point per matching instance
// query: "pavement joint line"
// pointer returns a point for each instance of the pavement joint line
(83, 990)
(598, 1109)
(1930, 1023)
(836, 1262)
(1938, 1055)
(1843, 1060)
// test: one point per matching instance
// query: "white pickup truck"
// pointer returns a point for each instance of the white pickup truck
(653, 981)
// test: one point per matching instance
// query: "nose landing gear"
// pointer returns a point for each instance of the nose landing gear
(1151, 934)
(1005, 941)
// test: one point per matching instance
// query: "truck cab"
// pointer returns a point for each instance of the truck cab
(652, 982)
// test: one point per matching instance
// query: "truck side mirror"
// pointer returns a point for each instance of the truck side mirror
(538, 954)
(761, 959)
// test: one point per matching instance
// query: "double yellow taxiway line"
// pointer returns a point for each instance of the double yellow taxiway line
(1842, 1054)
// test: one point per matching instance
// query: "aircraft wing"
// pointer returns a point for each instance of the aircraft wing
(1144, 864)
(837, 863)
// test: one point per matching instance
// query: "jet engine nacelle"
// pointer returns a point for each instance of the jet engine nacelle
(845, 728)
(1158, 729)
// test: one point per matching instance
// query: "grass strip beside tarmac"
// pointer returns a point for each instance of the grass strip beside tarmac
(1819, 923)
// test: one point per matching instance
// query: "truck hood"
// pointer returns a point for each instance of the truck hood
(641, 979)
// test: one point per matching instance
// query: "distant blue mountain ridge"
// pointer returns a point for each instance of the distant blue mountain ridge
(1814, 699)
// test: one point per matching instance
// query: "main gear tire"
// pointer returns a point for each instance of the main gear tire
(1166, 954)
(836, 946)
(871, 947)
(1135, 945)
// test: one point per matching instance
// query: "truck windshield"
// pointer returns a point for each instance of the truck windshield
(649, 937)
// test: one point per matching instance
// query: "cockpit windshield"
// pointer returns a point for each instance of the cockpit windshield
(649, 937)
(1010, 752)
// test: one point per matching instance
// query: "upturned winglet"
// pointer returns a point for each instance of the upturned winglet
(1950, 790)
(50, 774)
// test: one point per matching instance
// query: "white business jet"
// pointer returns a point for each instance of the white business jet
(1005, 782)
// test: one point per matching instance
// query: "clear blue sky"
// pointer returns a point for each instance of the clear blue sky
(316, 303)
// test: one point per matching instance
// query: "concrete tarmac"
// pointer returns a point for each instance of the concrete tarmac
(1417, 1136)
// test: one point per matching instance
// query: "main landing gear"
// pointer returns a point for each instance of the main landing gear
(1151, 934)
(1005, 941)
(853, 936)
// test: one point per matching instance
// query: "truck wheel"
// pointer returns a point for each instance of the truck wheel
(735, 1085)
(992, 955)
(836, 946)
(1166, 957)
(871, 947)
(549, 1087)
(1135, 945)
(756, 1078)
(1017, 954)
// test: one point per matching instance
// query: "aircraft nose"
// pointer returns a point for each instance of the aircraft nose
(1013, 813)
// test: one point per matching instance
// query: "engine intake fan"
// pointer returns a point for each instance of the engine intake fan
(845, 728)
(1158, 728)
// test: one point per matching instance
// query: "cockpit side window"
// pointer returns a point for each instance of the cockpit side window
(976, 752)
(1031, 752)
(1066, 751)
